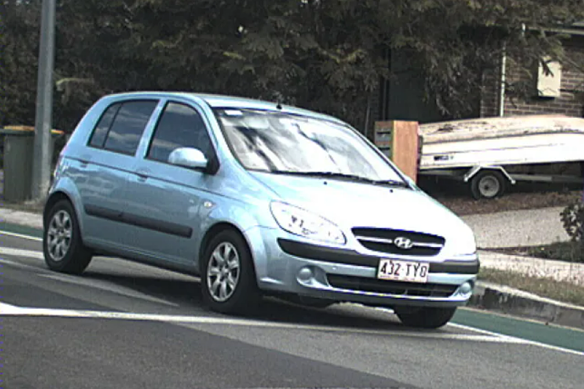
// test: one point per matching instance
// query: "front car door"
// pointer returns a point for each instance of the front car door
(165, 200)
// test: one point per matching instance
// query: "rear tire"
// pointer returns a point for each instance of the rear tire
(63, 247)
(228, 280)
(425, 317)
(488, 184)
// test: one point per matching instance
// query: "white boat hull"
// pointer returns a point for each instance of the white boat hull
(502, 141)
(508, 150)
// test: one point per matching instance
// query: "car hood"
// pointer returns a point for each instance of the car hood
(353, 204)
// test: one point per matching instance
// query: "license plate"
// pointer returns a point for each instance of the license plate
(390, 269)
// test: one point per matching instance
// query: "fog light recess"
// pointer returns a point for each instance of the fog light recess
(465, 288)
(305, 274)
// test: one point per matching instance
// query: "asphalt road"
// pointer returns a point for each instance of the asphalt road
(124, 325)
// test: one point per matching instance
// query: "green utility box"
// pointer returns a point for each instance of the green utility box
(17, 158)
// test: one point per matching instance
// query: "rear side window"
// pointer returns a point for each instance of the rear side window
(179, 126)
(103, 126)
(128, 126)
(121, 126)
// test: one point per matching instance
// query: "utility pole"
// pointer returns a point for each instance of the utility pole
(42, 158)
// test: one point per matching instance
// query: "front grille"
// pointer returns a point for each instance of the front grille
(390, 287)
(383, 240)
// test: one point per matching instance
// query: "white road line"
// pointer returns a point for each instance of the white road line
(11, 310)
(524, 341)
(478, 330)
(108, 287)
(507, 338)
(21, 253)
(22, 236)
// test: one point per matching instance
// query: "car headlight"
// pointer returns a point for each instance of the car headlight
(300, 222)
(467, 245)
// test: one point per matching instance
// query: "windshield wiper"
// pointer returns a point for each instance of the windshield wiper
(352, 177)
(319, 174)
(402, 184)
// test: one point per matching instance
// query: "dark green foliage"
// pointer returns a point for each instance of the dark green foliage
(573, 220)
(19, 34)
(327, 55)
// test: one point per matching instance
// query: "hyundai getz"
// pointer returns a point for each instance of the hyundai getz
(255, 198)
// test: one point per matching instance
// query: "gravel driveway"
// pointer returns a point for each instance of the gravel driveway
(518, 228)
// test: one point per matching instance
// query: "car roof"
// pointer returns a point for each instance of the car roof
(224, 101)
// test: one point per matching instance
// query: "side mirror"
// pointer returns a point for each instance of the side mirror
(188, 157)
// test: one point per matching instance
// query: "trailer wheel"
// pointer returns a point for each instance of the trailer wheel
(488, 184)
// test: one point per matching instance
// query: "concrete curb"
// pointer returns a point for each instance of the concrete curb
(516, 302)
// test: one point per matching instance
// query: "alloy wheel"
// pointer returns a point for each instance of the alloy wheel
(223, 272)
(59, 235)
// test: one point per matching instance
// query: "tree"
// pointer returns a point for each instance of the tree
(327, 55)
(19, 34)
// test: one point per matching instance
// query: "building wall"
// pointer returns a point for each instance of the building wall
(490, 93)
(570, 102)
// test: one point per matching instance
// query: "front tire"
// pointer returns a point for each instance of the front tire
(63, 247)
(228, 281)
(426, 317)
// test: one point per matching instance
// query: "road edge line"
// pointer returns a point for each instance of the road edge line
(519, 340)
(22, 236)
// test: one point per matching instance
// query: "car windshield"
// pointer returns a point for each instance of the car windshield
(284, 143)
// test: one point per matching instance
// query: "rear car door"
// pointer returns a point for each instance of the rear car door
(166, 200)
(103, 170)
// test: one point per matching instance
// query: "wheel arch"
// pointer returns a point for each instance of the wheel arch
(65, 191)
(214, 231)
(53, 199)
(476, 169)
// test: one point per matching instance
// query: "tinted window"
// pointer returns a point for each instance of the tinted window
(126, 131)
(179, 126)
(100, 131)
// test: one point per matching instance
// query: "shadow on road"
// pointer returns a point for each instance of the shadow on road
(187, 294)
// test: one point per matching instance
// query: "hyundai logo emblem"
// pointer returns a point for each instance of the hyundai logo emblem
(403, 243)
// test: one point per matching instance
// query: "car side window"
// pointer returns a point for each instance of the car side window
(123, 128)
(179, 126)
(103, 126)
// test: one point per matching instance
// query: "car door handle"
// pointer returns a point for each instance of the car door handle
(83, 163)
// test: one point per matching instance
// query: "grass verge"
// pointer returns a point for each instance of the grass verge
(544, 287)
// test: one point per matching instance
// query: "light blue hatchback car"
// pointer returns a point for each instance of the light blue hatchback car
(256, 199)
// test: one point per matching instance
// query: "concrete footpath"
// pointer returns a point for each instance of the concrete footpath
(505, 229)
(22, 218)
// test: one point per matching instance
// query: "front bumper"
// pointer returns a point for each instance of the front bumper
(287, 264)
